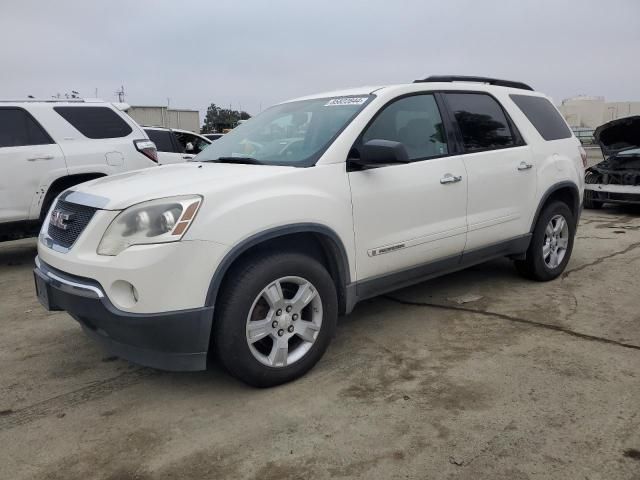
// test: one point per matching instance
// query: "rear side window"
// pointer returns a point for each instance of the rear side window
(162, 139)
(482, 122)
(542, 115)
(95, 122)
(18, 128)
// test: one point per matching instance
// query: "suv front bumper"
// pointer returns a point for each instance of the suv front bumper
(177, 340)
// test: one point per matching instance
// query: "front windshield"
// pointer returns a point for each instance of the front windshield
(295, 133)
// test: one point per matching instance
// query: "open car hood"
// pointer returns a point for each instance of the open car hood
(618, 135)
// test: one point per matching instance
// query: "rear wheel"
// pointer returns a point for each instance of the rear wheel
(551, 244)
(275, 319)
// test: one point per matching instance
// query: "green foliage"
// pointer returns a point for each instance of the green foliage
(217, 118)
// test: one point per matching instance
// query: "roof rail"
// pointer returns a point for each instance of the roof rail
(465, 78)
(53, 100)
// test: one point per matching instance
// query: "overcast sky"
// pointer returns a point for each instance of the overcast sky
(252, 53)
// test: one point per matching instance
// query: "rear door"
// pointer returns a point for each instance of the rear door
(29, 160)
(409, 215)
(500, 168)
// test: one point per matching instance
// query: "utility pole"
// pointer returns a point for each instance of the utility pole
(120, 93)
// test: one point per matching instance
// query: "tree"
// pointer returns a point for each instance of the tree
(218, 119)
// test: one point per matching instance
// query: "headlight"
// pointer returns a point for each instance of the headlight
(158, 221)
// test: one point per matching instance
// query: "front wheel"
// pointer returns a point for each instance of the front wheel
(551, 244)
(276, 317)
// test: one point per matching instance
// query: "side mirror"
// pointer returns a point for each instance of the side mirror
(189, 147)
(381, 152)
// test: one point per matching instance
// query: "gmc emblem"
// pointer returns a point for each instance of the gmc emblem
(61, 219)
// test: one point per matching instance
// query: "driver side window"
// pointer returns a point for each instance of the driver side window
(413, 121)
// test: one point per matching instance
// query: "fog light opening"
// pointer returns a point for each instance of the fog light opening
(124, 294)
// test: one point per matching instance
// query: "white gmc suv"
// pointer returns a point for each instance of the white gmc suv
(251, 251)
(47, 146)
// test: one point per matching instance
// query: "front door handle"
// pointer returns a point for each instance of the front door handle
(188, 157)
(448, 178)
(42, 157)
(524, 166)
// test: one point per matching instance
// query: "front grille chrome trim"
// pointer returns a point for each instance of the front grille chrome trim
(63, 239)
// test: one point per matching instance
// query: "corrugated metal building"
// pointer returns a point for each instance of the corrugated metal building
(166, 117)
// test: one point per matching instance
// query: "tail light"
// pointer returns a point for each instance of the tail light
(583, 155)
(147, 148)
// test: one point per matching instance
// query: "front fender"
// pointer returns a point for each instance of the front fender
(317, 196)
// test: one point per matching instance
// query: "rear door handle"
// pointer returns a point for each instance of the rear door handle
(42, 157)
(448, 178)
(524, 166)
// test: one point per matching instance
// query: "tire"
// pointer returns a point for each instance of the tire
(539, 266)
(47, 202)
(589, 195)
(245, 299)
(589, 202)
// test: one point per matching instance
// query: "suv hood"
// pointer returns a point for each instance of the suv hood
(117, 192)
(618, 135)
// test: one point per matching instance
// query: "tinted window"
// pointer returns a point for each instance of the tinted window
(543, 115)
(413, 121)
(18, 128)
(95, 122)
(162, 139)
(482, 121)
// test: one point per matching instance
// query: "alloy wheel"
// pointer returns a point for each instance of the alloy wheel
(284, 321)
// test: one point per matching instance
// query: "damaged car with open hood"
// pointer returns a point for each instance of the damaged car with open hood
(617, 178)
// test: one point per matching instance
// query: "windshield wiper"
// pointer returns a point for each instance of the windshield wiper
(246, 160)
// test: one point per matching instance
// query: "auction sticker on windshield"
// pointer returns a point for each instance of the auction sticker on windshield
(345, 101)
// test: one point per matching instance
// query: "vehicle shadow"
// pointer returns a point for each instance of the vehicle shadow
(18, 252)
(631, 210)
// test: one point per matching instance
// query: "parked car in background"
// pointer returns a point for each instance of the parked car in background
(251, 251)
(47, 146)
(213, 136)
(175, 145)
(617, 178)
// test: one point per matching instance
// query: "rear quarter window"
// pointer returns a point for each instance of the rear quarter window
(95, 122)
(543, 116)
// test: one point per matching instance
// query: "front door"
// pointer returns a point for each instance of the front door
(408, 215)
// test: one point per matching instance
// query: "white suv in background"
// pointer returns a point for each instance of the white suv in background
(175, 145)
(47, 146)
(251, 251)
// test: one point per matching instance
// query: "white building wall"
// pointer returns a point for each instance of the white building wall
(591, 112)
(164, 117)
